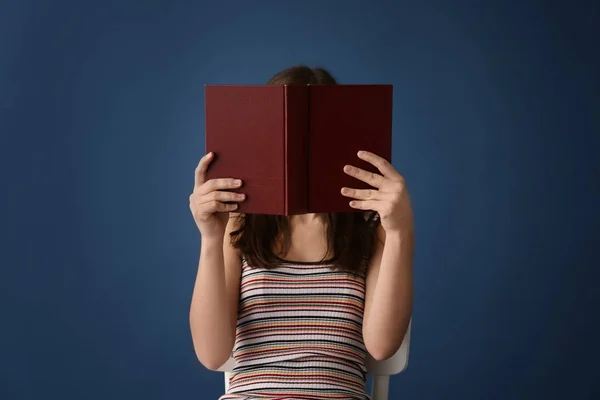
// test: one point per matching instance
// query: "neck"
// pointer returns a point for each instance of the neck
(306, 219)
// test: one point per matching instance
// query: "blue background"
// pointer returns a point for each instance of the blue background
(496, 129)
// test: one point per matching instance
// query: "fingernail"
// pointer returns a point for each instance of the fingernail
(241, 196)
(361, 153)
(237, 182)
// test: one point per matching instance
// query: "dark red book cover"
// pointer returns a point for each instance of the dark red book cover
(289, 144)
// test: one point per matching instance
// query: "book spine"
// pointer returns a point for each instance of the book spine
(296, 149)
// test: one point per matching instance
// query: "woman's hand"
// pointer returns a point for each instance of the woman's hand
(390, 198)
(207, 201)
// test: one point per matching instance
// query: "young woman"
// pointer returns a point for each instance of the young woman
(301, 299)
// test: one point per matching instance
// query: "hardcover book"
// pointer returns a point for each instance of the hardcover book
(289, 144)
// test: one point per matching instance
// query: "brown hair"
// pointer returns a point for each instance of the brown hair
(351, 234)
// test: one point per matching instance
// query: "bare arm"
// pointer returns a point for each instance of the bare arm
(213, 312)
(389, 294)
(214, 308)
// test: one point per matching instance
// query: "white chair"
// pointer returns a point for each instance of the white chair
(379, 370)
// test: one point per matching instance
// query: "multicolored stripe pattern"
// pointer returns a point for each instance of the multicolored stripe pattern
(299, 334)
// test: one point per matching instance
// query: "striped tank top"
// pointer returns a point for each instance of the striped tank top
(299, 334)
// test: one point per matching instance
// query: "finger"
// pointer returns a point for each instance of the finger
(369, 194)
(219, 184)
(380, 163)
(361, 194)
(366, 205)
(200, 175)
(370, 178)
(217, 206)
(223, 207)
(222, 196)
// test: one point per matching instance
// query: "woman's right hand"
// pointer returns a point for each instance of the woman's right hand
(208, 200)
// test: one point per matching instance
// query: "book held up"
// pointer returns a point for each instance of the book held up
(289, 144)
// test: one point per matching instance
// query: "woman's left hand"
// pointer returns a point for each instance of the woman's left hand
(390, 198)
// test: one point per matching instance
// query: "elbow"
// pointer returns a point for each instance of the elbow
(211, 364)
(212, 350)
(211, 361)
(381, 352)
(383, 342)
(382, 346)
(211, 355)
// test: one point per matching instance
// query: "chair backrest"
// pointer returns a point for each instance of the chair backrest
(380, 370)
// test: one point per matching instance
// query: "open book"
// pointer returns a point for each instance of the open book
(289, 144)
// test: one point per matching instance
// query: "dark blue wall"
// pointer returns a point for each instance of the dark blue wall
(496, 130)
